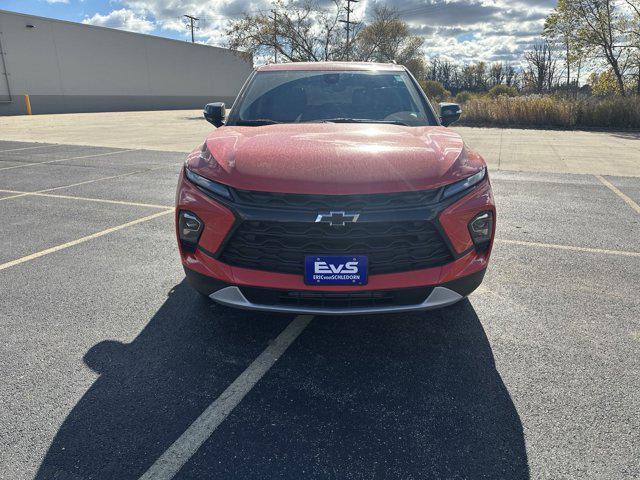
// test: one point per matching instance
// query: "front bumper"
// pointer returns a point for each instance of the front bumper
(233, 297)
(225, 283)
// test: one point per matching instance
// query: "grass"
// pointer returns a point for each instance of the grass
(548, 111)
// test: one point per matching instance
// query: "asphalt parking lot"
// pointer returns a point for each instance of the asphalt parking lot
(112, 366)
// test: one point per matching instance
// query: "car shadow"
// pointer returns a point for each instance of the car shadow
(411, 396)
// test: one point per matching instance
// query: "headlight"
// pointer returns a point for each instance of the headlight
(455, 188)
(208, 185)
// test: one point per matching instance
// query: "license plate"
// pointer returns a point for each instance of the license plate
(335, 270)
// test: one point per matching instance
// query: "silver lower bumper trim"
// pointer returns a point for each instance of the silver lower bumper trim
(233, 297)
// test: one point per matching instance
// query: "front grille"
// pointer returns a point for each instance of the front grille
(282, 246)
(365, 202)
(409, 296)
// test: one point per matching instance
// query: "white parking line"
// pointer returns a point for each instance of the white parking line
(615, 190)
(57, 248)
(10, 197)
(624, 253)
(31, 164)
(179, 453)
(100, 179)
(86, 199)
(26, 148)
(120, 175)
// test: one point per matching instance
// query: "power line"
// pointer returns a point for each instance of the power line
(348, 22)
(192, 19)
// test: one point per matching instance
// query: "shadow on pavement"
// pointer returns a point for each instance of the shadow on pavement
(411, 396)
(393, 397)
(150, 390)
(627, 135)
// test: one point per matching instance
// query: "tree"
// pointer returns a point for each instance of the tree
(600, 24)
(474, 77)
(541, 67)
(297, 31)
(445, 72)
(310, 30)
(633, 31)
(435, 90)
(388, 39)
(497, 73)
(559, 27)
(603, 84)
(510, 76)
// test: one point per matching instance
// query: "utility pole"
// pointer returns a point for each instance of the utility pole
(192, 19)
(275, 36)
(348, 23)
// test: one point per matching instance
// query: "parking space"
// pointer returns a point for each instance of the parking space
(154, 185)
(112, 366)
(630, 186)
(53, 153)
(42, 222)
(67, 172)
(565, 209)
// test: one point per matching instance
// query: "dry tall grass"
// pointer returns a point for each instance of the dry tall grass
(548, 111)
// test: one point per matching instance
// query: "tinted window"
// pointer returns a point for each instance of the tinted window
(310, 96)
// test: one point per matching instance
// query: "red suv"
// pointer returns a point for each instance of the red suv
(334, 188)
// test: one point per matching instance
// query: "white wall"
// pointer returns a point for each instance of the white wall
(66, 66)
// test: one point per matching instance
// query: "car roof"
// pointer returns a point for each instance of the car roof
(332, 66)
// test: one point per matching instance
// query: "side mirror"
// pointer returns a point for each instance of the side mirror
(449, 113)
(215, 113)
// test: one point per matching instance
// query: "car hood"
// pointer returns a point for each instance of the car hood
(334, 158)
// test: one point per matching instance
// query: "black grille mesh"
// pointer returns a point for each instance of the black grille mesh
(282, 246)
(378, 201)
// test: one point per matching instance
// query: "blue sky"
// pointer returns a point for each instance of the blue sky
(461, 30)
(86, 10)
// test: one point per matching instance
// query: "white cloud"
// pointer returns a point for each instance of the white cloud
(463, 30)
(468, 31)
(57, 1)
(123, 19)
(214, 15)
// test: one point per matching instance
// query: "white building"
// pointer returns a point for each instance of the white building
(72, 67)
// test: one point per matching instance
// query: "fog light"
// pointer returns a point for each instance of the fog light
(189, 230)
(481, 228)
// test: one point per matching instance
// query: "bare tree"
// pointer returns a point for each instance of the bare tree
(444, 72)
(496, 73)
(541, 67)
(297, 31)
(510, 75)
(308, 30)
(388, 39)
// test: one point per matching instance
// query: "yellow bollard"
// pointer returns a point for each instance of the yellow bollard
(28, 104)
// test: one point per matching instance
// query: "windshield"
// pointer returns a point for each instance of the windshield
(296, 96)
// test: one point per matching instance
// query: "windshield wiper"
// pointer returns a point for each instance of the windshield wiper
(360, 120)
(256, 123)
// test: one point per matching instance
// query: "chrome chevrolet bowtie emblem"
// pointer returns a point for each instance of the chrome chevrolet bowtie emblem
(337, 219)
